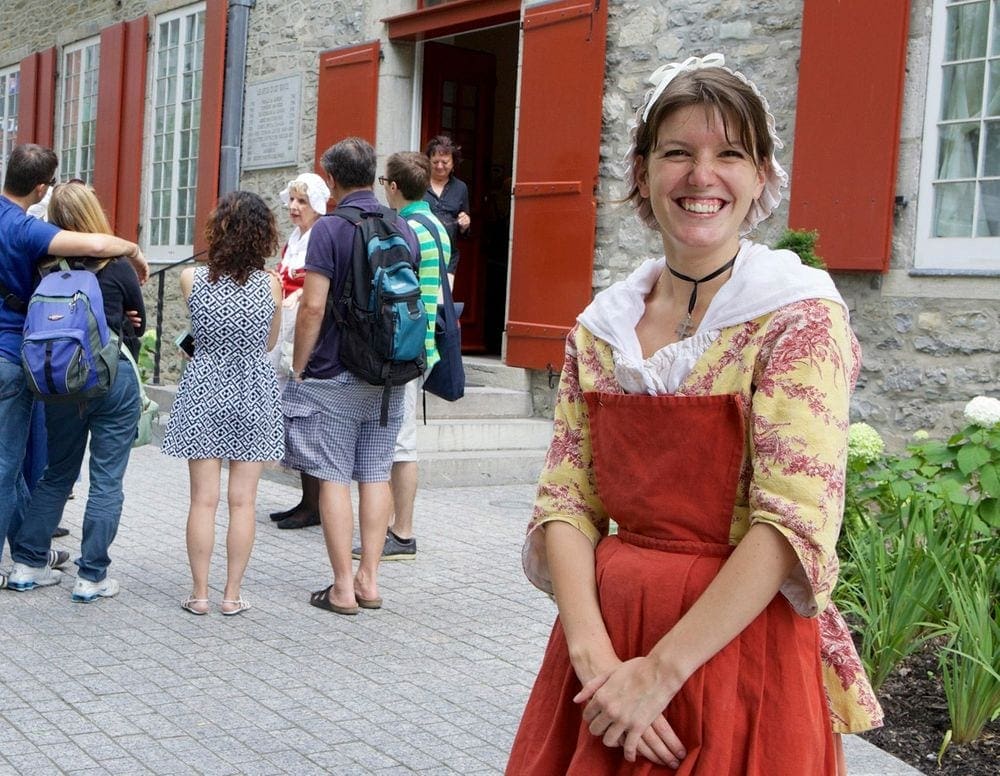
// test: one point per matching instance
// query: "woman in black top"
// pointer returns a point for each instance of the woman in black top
(447, 195)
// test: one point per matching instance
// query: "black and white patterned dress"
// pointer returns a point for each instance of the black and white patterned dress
(228, 404)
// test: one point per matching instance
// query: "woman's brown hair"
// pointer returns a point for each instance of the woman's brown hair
(241, 234)
(75, 207)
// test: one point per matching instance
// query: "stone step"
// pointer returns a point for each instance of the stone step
(478, 402)
(454, 469)
(487, 370)
(443, 435)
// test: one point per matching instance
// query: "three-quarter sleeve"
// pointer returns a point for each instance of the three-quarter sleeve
(803, 377)
(567, 491)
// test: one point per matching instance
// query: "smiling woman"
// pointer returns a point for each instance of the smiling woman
(703, 407)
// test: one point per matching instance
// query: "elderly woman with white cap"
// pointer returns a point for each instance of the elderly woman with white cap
(703, 407)
(305, 197)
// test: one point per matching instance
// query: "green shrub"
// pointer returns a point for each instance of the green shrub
(920, 551)
(802, 242)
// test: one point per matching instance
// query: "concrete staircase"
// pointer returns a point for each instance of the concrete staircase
(486, 438)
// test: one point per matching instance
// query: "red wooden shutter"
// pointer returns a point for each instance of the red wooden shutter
(347, 98)
(119, 141)
(847, 121)
(37, 99)
(213, 78)
(555, 214)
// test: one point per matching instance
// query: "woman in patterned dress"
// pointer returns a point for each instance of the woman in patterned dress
(227, 404)
(703, 407)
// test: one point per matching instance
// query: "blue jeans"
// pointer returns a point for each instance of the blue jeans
(111, 422)
(15, 421)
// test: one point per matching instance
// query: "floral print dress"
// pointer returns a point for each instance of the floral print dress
(793, 369)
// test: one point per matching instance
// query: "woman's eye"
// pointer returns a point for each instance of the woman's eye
(674, 153)
(734, 153)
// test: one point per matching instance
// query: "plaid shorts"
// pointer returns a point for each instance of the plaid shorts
(332, 429)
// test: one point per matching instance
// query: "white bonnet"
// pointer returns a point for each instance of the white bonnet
(316, 188)
(776, 179)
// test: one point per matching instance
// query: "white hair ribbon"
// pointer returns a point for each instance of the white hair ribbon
(664, 74)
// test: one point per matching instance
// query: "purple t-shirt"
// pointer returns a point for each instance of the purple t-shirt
(24, 241)
(331, 245)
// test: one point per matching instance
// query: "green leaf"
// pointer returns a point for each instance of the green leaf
(989, 511)
(971, 457)
(901, 489)
(935, 452)
(989, 480)
(929, 470)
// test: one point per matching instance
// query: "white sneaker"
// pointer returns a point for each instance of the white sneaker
(85, 591)
(24, 577)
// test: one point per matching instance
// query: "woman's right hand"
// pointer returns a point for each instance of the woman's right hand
(659, 743)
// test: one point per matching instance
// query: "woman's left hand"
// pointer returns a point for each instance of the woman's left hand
(134, 318)
(464, 221)
(623, 704)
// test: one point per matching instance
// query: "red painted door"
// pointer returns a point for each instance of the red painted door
(555, 212)
(458, 93)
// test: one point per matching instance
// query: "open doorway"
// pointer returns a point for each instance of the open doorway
(469, 90)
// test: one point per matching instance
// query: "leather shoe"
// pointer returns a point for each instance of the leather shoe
(276, 516)
(300, 520)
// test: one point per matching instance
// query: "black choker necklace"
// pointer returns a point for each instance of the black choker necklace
(686, 327)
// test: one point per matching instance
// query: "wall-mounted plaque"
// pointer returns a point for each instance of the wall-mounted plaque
(271, 120)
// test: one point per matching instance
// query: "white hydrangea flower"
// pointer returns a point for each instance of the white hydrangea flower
(920, 435)
(983, 411)
(864, 443)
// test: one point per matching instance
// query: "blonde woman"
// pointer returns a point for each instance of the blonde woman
(109, 421)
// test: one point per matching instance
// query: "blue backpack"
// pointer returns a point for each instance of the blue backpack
(68, 353)
(380, 313)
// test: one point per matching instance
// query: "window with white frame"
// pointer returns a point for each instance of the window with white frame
(78, 110)
(958, 220)
(179, 40)
(8, 115)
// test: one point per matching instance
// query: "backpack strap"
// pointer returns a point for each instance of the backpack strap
(427, 224)
(12, 300)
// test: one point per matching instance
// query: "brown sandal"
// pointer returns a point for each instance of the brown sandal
(321, 600)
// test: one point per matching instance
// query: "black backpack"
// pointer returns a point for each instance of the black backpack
(380, 314)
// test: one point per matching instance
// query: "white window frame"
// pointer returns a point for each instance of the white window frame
(8, 115)
(949, 253)
(76, 157)
(170, 206)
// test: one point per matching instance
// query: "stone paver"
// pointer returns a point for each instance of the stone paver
(431, 684)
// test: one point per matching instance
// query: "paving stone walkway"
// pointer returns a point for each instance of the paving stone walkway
(433, 683)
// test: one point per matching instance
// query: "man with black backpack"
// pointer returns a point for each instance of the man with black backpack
(24, 241)
(358, 318)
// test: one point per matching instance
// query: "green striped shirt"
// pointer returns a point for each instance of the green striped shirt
(429, 270)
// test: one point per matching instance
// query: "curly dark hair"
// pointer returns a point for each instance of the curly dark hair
(241, 233)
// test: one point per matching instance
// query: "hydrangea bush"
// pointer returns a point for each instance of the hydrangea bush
(920, 552)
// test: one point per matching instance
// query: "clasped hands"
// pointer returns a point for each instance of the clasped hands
(624, 705)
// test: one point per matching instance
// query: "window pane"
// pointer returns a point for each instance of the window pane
(966, 33)
(953, 204)
(958, 151)
(991, 150)
(988, 220)
(993, 90)
(962, 91)
(995, 48)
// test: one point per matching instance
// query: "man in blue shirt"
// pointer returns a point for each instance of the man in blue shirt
(24, 241)
(332, 428)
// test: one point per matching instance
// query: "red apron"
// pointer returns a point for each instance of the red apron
(667, 470)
